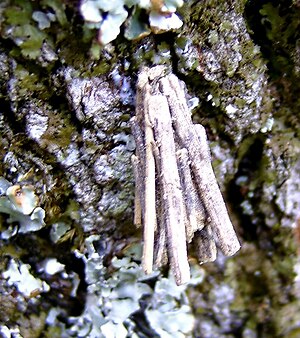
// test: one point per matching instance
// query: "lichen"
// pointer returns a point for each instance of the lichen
(28, 27)
(21, 204)
(18, 275)
(225, 52)
(109, 16)
(113, 302)
(65, 106)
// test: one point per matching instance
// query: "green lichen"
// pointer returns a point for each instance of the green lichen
(29, 82)
(25, 28)
(228, 69)
(261, 277)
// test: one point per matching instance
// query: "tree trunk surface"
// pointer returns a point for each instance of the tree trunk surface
(70, 253)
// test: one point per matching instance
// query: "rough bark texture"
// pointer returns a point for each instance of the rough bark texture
(65, 105)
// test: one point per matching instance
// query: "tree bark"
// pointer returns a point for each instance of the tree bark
(65, 106)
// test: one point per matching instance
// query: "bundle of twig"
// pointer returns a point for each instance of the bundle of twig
(178, 199)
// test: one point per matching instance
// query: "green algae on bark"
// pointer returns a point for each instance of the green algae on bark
(65, 106)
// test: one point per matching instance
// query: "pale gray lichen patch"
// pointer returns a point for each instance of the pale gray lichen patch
(12, 162)
(104, 172)
(215, 316)
(109, 16)
(94, 103)
(43, 19)
(70, 156)
(21, 204)
(58, 230)
(36, 123)
(223, 163)
(288, 197)
(18, 274)
(114, 298)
